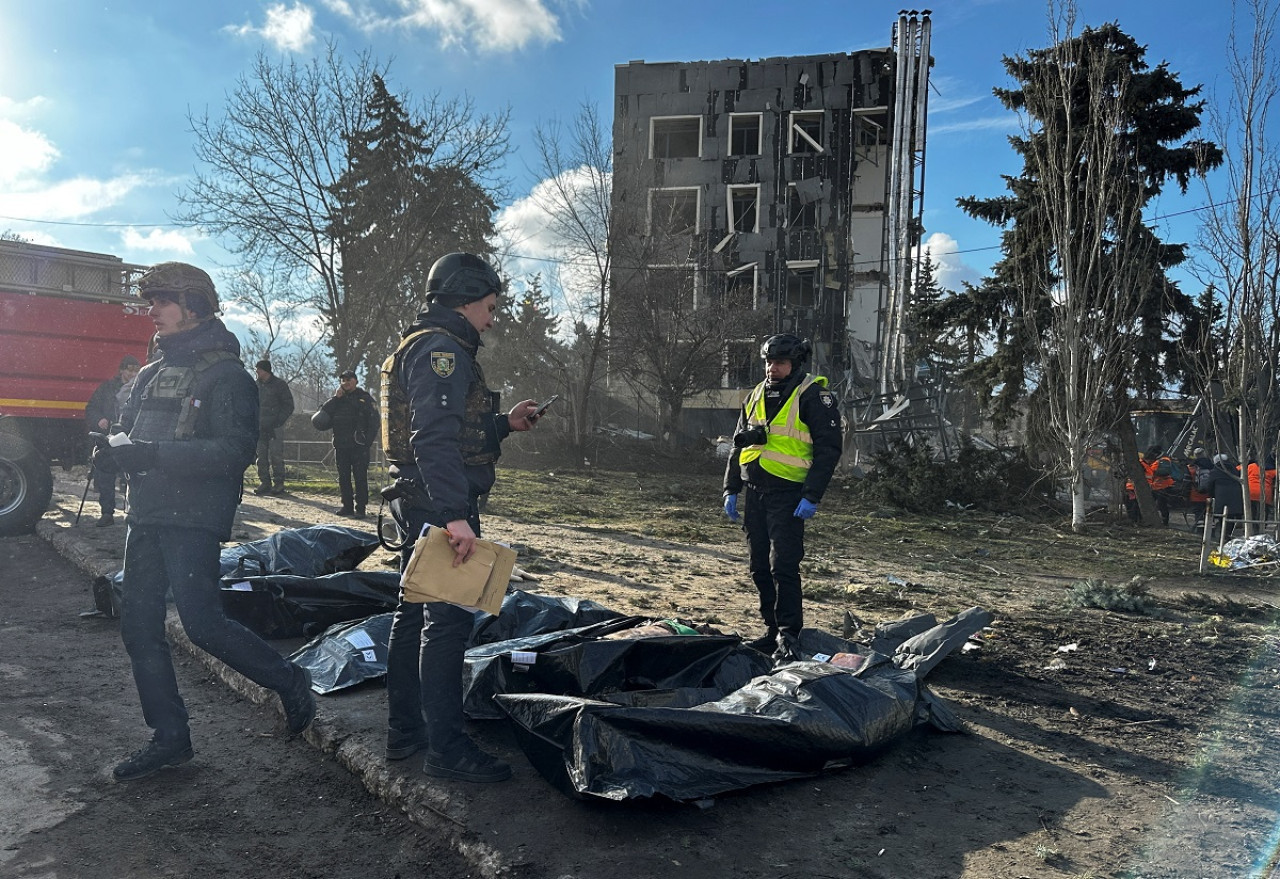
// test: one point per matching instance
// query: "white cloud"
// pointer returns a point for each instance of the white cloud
(67, 199)
(950, 269)
(1008, 122)
(23, 152)
(951, 93)
(288, 28)
(488, 25)
(10, 107)
(527, 245)
(167, 241)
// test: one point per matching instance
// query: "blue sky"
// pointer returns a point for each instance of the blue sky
(94, 140)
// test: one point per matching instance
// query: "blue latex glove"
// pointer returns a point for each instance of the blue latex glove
(731, 507)
(805, 509)
(137, 457)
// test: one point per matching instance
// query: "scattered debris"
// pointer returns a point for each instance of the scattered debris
(1260, 550)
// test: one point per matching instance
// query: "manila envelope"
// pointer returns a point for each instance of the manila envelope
(480, 582)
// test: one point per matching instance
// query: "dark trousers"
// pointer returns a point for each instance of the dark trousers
(184, 560)
(775, 542)
(353, 466)
(271, 459)
(425, 659)
(105, 485)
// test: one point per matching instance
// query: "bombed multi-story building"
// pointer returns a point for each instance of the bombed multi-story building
(782, 193)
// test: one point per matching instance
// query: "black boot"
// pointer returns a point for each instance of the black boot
(788, 647)
(298, 701)
(766, 643)
(468, 763)
(160, 753)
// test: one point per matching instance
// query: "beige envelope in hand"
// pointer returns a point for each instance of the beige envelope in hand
(480, 582)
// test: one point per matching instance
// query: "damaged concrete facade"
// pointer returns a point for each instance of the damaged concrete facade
(780, 172)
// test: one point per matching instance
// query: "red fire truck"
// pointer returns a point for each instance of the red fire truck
(66, 319)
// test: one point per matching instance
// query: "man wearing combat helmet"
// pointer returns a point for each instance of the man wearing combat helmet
(190, 426)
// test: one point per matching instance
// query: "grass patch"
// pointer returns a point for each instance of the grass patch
(1227, 607)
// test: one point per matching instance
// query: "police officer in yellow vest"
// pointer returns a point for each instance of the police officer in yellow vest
(786, 447)
(442, 433)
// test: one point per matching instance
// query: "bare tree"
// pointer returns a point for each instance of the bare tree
(274, 328)
(676, 314)
(575, 163)
(269, 171)
(1082, 306)
(1240, 245)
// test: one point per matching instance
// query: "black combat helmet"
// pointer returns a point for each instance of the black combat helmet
(459, 278)
(785, 346)
(182, 283)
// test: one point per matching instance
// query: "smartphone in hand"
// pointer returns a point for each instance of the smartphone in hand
(537, 413)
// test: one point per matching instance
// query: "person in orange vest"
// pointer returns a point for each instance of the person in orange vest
(1262, 487)
(1159, 470)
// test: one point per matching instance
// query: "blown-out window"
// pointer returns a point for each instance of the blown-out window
(744, 208)
(744, 134)
(673, 211)
(800, 214)
(742, 363)
(675, 137)
(805, 132)
(802, 280)
(677, 286)
(740, 286)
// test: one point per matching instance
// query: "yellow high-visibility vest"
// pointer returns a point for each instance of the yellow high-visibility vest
(788, 453)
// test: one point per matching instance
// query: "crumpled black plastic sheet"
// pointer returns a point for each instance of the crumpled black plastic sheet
(802, 718)
(347, 654)
(528, 613)
(286, 606)
(304, 552)
(580, 662)
(523, 613)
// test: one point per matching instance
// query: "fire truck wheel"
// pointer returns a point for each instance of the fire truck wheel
(26, 485)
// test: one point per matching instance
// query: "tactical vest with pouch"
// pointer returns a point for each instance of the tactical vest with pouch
(478, 441)
(168, 408)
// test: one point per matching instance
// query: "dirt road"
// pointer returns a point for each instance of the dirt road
(1146, 750)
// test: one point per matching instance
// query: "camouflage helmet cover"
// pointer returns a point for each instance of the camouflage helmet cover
(180, 282)
(458, 278)
(785, 346)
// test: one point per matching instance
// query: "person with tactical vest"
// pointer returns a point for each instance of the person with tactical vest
(190, 426)
(786, 446)
(275, 405)
(352, 415)
(441, 433)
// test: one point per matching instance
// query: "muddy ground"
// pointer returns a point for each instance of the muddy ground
(1099, 743)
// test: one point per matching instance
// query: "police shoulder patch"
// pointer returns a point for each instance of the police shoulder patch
(828, 398)
(442, 363)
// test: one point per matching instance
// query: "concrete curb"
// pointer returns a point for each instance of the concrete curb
(435, 809)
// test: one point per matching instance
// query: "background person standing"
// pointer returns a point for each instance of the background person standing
(275, 405)
(353, 417)
(102, 411)
(786, 447)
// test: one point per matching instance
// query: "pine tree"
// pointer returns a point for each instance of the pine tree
(401, 208)
(1078, 309)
